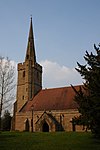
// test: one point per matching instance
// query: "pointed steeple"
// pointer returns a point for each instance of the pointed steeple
(31, 30)
(30, 53)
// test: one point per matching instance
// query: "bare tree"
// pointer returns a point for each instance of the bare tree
(7, 84)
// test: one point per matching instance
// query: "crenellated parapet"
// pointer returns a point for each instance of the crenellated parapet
(21, 66)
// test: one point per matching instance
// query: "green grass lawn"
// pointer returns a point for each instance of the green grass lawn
(48, 141)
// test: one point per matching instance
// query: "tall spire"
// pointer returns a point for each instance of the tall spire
(30, 53)
(31, 30)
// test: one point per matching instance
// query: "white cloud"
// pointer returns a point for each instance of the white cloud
(55, 75)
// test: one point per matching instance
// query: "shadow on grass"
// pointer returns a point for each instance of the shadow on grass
(7, 135)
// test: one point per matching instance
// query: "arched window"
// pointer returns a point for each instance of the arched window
(23, 73)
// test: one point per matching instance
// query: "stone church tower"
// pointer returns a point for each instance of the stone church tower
(29, 81)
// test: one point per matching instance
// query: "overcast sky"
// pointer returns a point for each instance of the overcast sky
(63, 31)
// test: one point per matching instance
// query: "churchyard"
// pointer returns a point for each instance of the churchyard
(48, 141)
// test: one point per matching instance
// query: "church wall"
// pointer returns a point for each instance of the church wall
(21, 120)
(63, 117)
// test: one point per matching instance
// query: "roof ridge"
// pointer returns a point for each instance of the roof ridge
(60, 87)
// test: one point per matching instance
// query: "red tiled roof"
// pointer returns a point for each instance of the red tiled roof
(53, 99)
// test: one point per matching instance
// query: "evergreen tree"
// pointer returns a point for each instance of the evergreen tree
(6, 121)
(88, 97)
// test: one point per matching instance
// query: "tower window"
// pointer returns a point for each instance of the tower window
(23, 73)
(23, 97)
(27, 56)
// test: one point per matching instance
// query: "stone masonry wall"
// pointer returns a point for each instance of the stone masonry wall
(63, 117)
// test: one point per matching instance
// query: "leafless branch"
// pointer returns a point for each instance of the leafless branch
(7, 83)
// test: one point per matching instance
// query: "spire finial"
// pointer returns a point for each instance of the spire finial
(31, 16)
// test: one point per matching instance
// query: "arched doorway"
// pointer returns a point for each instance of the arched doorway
(45, 127)
(27, 125)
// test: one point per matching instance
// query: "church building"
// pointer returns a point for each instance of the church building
(37, 109)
